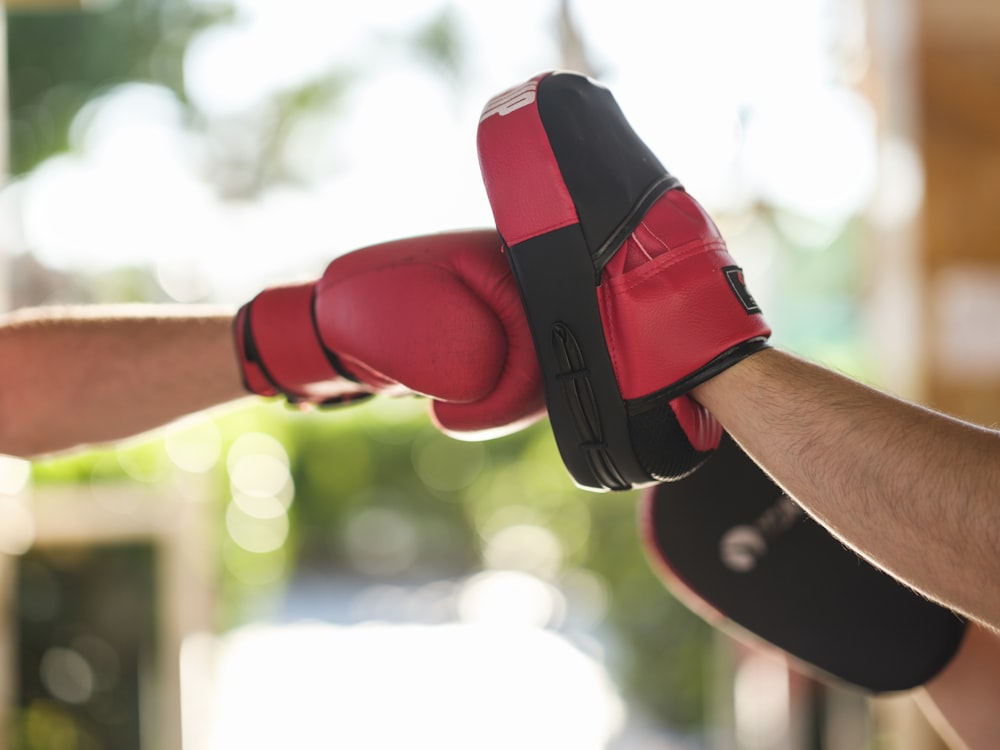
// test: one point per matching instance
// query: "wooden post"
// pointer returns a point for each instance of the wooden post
(958, 89)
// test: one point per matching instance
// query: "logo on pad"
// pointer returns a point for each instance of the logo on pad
(510, 100)
(734, 275)
(743, 546)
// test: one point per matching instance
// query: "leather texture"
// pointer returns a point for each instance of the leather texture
(438, 316)
(667, 307)
(518, 166)
(630, 291)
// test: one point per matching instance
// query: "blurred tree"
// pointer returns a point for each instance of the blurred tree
(664, 648)
(57, 60)
(344, 469)
(60, 59)
(573, 51)
(86, 635)
(440, 43)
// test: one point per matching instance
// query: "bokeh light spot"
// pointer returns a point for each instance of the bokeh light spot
(14, 474)
(510, 598)
(252, 443)
(256, 534)
(381, 542)
(448, 465)
(260, 475)
(67, 675)
(17, 526)
(194, 445)
(526, 547)
(254, 569)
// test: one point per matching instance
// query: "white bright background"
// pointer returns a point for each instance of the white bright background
(741, 100)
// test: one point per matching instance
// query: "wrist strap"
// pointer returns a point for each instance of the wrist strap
(279, 348)
(255, 379)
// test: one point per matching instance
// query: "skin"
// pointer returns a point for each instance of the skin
(910, 489)
(85, 375)
(961, 701)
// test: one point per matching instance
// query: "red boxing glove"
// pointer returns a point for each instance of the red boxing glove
(437, 315)
(630, 292)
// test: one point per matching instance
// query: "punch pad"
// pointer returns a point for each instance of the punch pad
(730, 544)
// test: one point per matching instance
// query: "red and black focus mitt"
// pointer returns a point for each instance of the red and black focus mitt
(630, 292)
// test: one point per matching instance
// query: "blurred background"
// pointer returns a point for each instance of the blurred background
(259, 577)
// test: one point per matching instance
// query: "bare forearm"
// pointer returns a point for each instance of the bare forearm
(72, 376)
(961, 701)
(916, 492)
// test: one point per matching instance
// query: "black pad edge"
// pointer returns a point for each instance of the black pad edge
(836, 616)
(554, 273)
(612, 178)
(611, 174)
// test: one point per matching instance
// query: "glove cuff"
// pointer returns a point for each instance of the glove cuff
(254, 377)
(280, 350)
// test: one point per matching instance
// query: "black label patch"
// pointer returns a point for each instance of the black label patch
(734, 275)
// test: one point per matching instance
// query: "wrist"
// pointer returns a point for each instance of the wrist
(280, 351)
(711, 392)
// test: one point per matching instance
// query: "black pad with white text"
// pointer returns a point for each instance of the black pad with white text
(737, 550)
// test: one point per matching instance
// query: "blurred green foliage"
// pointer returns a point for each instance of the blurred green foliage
(103, 599)
(821, 271)
(58, 60)
(385, 455)
(440, 42)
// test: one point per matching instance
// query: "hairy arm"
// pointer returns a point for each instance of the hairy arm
(914, 491)
(81, 375)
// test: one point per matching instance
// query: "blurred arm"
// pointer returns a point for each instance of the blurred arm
(961, 701)
(914, 491)
(73, 376)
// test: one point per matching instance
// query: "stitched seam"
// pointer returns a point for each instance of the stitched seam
(539, 232)
(672, 258)
(642, 247)
(658, 238)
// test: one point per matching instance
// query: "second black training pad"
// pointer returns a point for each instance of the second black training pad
(736, 542)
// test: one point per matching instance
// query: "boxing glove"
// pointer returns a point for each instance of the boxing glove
(438, 316)
(630, 292)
